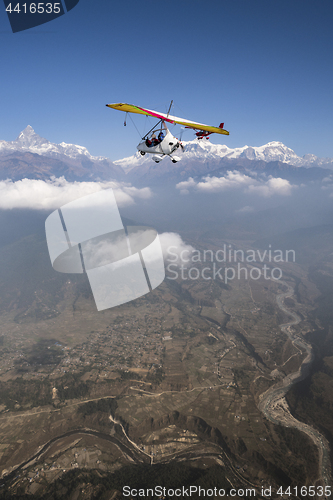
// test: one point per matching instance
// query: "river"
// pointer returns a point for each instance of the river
(273, 404)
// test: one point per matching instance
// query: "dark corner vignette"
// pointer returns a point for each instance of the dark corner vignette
(28, 14)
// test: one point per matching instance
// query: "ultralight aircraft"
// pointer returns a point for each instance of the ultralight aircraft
(165, 144)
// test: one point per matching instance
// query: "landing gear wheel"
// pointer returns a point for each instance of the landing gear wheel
(142, 153)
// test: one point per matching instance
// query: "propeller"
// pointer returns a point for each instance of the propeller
(180, 138)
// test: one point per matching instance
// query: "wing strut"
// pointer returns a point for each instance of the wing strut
(171, 103)
(158, 122)
(143, 138)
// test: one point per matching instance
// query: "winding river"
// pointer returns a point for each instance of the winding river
(273, 404)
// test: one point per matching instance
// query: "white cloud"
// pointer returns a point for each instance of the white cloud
(236, 180)
(232, 180)
(174, 249)
(53, 193)
(272, 186)
(114, 248)
(328, 184)
(185, 186)
(245, 210)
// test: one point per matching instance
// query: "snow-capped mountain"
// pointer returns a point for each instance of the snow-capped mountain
(29, 141)
(204, 150)
(33, 156)
(203, 158)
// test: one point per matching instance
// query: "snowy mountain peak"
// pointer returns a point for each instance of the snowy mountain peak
(29, 141)
(275, 144)
(27, 131)
(33, 155)
(28, 138)
(272, 151)
(74, 149)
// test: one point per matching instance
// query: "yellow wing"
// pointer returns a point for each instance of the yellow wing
(130, 108)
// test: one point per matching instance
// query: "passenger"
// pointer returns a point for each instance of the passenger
(161, 136)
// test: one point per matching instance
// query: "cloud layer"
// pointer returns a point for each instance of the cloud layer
(173, 248)
(52, 194)
(236, 180)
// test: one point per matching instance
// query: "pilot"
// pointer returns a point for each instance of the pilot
(154, 141)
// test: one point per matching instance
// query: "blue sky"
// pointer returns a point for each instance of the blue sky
(262, 67)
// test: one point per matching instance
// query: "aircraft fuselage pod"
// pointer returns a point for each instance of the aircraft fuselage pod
(160, 149)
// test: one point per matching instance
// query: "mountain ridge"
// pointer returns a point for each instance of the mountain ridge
(29, 140)
(272, 151)
(32, 156)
